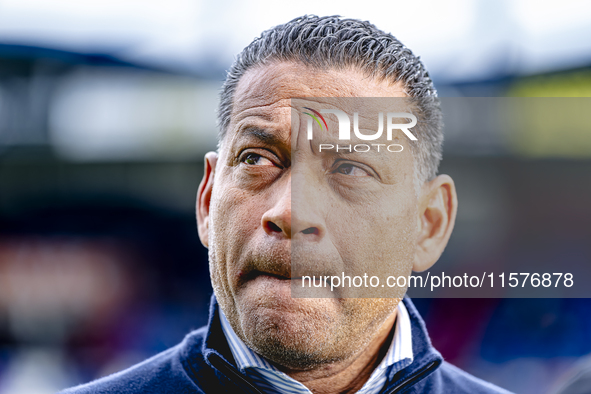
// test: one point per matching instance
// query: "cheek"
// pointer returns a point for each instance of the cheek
(235, 215)
(233, 220)
(378, 238)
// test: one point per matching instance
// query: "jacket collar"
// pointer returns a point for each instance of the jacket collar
(215, 341)
(216, 351)
(426, 358)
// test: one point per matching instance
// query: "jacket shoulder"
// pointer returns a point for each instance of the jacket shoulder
(451, 379)
(162, 373)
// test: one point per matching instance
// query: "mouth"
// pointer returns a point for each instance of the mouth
(256, 273)
(279, 280)
(276, 276)
(249, 276)
(280, 288)
(270, 278)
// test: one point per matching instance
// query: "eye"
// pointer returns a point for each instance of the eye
(254, 159)
(351, 170)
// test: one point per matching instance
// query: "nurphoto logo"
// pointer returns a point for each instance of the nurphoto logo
(345, 129)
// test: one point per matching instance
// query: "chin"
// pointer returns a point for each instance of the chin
(296, 342)
(301, 338)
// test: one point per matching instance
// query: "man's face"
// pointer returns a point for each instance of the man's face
(346, 211)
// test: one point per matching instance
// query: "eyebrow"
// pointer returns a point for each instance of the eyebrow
(262, 135)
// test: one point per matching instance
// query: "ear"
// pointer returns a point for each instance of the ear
(204, 197)
(438, 205)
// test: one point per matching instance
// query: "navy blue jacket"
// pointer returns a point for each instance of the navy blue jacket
(203, 363)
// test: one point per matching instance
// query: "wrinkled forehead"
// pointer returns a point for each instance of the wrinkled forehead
(265, 91)
(352, 119)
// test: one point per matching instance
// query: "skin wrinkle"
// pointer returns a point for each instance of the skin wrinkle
(329, 344)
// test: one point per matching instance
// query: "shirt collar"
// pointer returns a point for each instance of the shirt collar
(399, 356)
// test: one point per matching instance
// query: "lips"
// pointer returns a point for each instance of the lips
(253, 274)
(286, 261)
(246, 276)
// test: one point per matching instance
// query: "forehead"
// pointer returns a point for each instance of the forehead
(266, 90)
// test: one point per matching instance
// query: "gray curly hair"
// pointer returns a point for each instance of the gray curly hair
(335, 43)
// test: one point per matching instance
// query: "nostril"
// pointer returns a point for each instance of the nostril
(273, 227)
(311, 230)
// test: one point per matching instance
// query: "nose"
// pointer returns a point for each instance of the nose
(277, 220)
(305, 223)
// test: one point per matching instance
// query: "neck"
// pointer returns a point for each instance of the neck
(350, 375)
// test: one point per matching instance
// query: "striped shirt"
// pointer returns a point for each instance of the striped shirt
(272, 381)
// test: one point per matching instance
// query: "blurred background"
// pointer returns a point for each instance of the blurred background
(107, 108)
